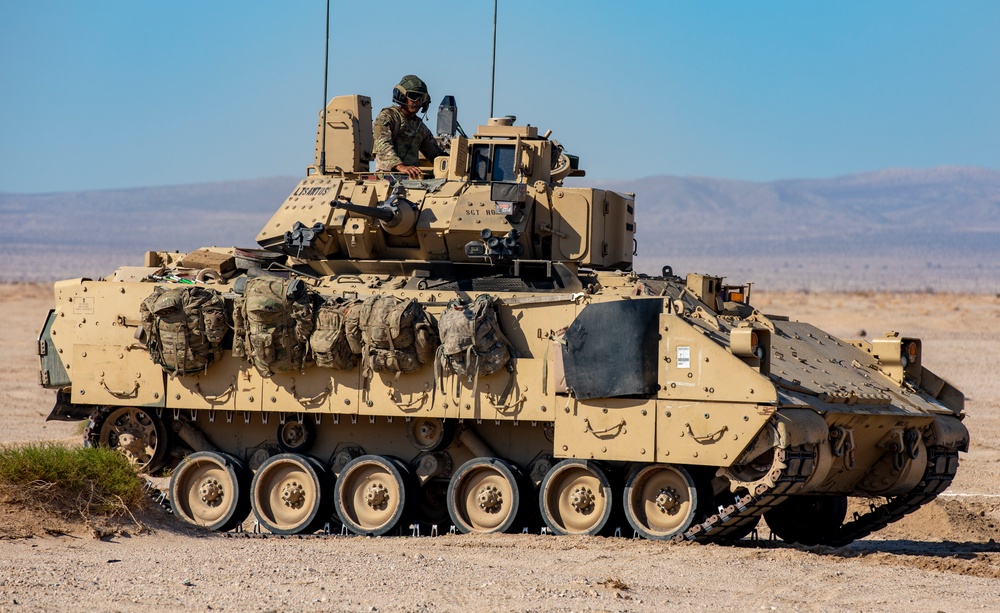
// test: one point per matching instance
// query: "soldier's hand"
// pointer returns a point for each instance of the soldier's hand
(412, 171)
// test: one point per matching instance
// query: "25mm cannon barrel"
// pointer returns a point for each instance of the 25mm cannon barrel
(383, 214)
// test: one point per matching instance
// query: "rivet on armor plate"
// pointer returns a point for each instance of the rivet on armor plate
(544, 409)
(604, 449)
(177, 396)
(156, 394)
(347, 401)
(565, 448)
(83, 355)
(666, 413)
(604, 410)
(690, 375)
(250, 398)
(694, 454)
(566, 409)
(644, 412)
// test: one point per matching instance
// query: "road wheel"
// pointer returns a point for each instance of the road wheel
(485, 495)
(660, 500)
(288, 494)
(807, 520)
(137, 434)
(372, 494)
(212, 490)
(576, 498)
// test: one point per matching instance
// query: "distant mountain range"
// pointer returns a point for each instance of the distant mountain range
(935, 229)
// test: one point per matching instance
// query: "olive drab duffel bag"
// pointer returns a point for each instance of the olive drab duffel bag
(273, 322)
(391, 334)
(184, 327)
(329, 344)
(472, 343)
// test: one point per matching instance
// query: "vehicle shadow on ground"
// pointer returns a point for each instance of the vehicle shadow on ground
(903, 547)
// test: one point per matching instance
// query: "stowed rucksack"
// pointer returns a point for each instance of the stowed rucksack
(184, 327)
(273, 321)
(472, 342)
(329, 344)
(391, 334)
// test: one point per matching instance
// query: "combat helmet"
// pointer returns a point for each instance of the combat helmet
(413, 88)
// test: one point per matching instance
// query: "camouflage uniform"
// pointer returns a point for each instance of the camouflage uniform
(400, 140)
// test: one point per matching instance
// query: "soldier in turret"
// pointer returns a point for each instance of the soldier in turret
(400, 136)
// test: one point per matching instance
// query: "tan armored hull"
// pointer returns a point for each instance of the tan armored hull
(472, 350)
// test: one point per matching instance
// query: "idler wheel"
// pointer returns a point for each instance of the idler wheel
(484, 495)
(660, 500)
(372, 494)
(576, 498)
(211, 489)
(807, 520)
(289, 493)
(138, 435)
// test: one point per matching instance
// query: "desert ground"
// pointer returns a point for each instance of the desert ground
(945, 557)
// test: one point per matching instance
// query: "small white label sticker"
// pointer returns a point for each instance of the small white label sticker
(683, 357)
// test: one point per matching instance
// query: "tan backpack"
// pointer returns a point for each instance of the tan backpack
(391, 334)
(184, 327)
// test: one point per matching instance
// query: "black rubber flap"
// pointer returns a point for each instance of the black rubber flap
(611, 348)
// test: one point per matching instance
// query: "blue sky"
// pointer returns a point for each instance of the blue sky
(111, 94)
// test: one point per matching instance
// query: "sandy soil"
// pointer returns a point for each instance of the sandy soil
(943, 558)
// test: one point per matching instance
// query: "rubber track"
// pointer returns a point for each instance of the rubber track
(795, 466)
(942, 465)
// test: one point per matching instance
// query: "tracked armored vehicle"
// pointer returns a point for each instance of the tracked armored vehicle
(472, 349)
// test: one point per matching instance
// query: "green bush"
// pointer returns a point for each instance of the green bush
(70, 480)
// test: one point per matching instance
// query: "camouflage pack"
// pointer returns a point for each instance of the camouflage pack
(184, 327)
(273, 321)
(329, 343)
(392, 334)
(472, 342)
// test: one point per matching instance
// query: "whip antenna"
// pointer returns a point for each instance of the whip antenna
(493, 74)
(326, 74)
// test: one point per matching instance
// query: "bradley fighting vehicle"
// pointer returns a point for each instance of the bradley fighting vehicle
(473, 349)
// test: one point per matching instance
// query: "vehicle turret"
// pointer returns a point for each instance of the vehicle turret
(495, 199)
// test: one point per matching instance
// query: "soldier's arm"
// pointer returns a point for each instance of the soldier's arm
(429, 145)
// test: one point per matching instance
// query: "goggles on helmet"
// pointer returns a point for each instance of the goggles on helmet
(416, 96)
